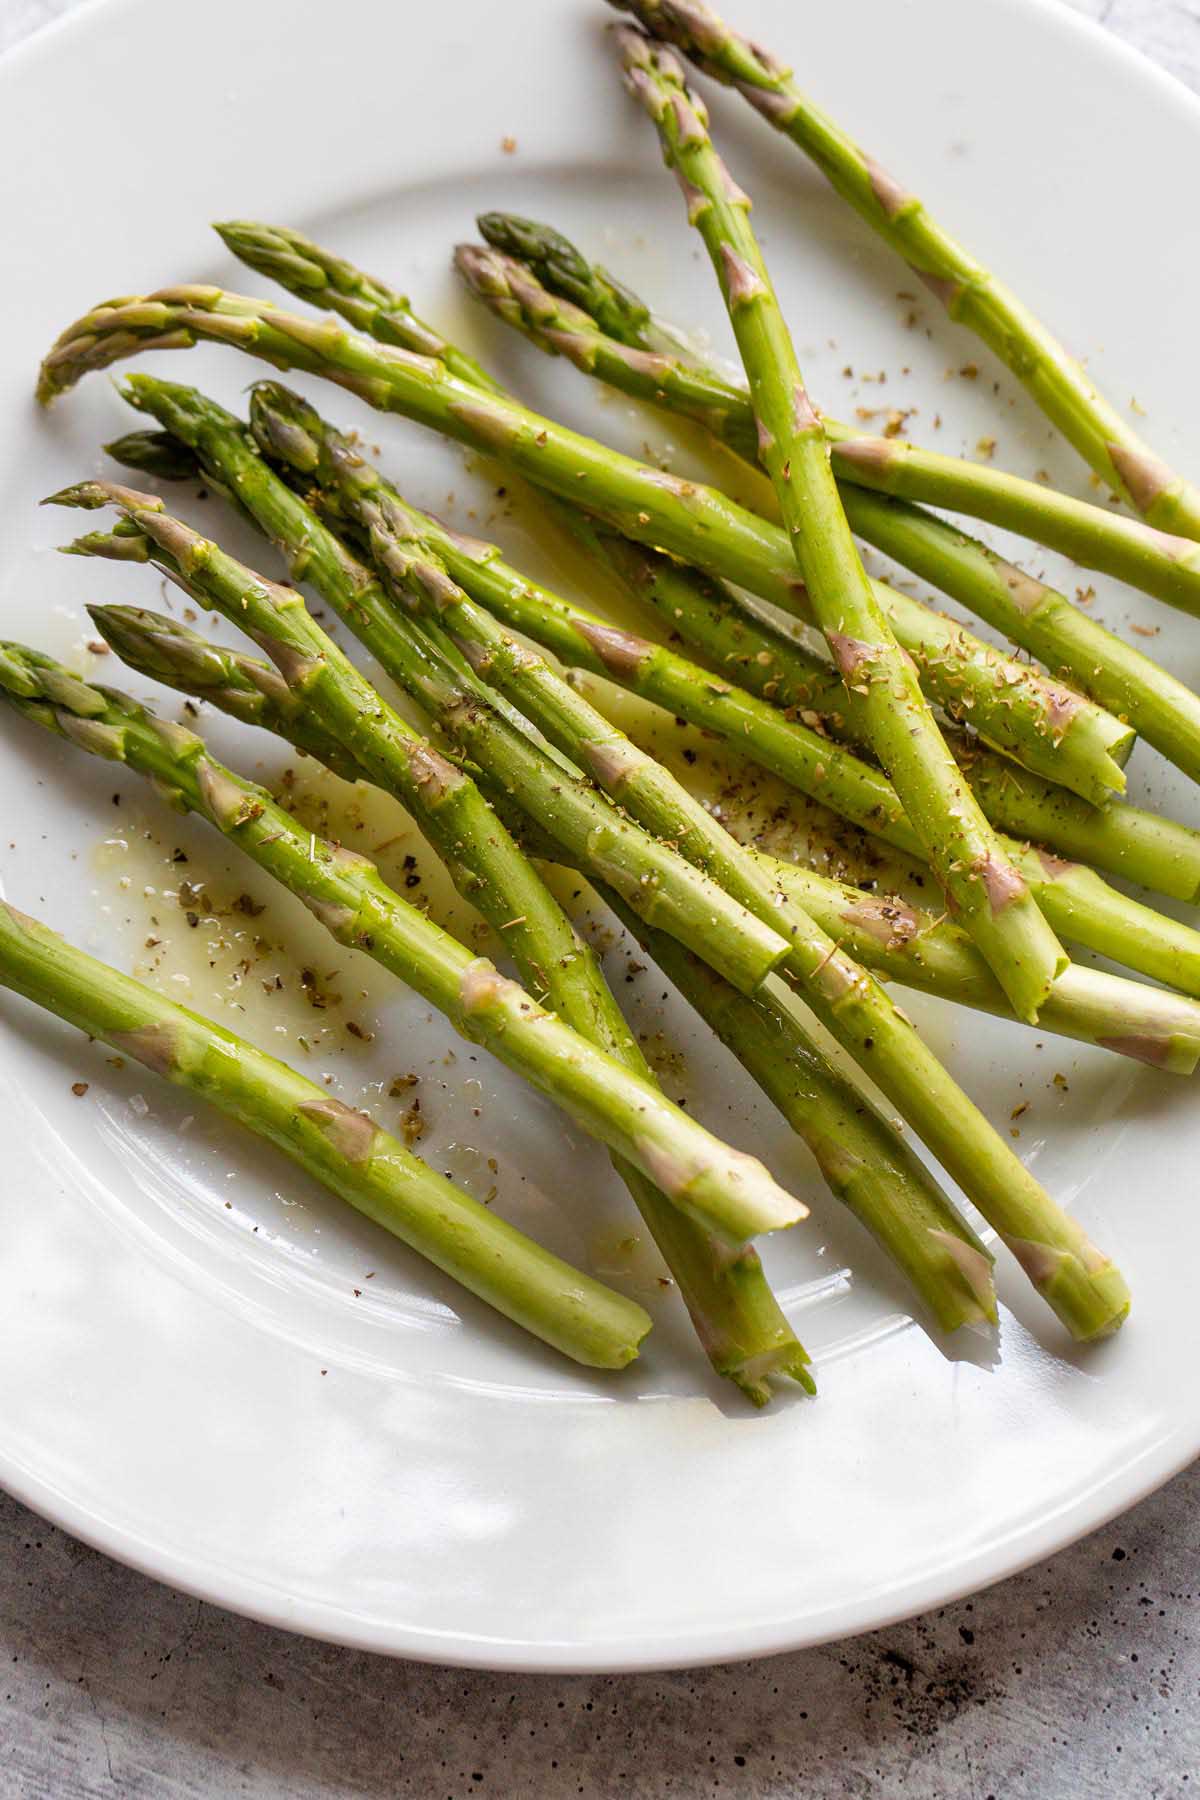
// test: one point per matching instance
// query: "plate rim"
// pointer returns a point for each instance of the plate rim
(207, 1579)
(327, 1623)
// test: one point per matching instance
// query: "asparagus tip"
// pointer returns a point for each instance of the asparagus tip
(86, 494)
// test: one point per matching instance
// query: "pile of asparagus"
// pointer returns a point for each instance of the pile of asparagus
(993, 782)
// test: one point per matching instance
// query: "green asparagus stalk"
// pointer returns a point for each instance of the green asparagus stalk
(1111, 543)
(1075, 899)
(654, 877)
(1007, 701)
(1037, 720)
(889, 1194)
(881, 1182)
(739, 1322)
(728, 1192)
(805, 693)
(1157, 562)
(911, 946)
(737, 1318)
(1029, 612)
(1128, 841)
(970, 293)
(981, 883)
(894, 939)
(845, 998)
(341, 1148)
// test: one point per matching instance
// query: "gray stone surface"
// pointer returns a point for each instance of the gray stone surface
(1078, 1678)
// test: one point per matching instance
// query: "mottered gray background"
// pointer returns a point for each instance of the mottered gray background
(1076, 1680)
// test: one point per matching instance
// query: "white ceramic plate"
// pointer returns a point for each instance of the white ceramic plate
(206, 1368)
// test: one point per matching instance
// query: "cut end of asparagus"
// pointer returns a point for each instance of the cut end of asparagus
(737, 1200)
(968, 1294)
(1082, 1286)
(754, 1376)
(619, 1355)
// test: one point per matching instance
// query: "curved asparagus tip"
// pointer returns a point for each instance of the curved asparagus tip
(243, 686)
(696, 29)
(329, 281)
(16, 678)
(291, 430)
(566, 271)
(280, 254)
(155, 644)
(156, 453)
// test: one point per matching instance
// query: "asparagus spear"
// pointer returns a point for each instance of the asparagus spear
(616, 309)
(931, 954)
(1037, 720)
(316, 275)
(343, 1149)
(222, 446)
(1111, 543)
(726, 1190)
(982, 884)
(847, 1001)
(415, 553)
(1029, 612)
(1074, 900)
(745, 649)
(1157, 562)
(692, 521)
(889, 937)
(970, 293)
(744, 1333)
(864, 1162)
(650, 874)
